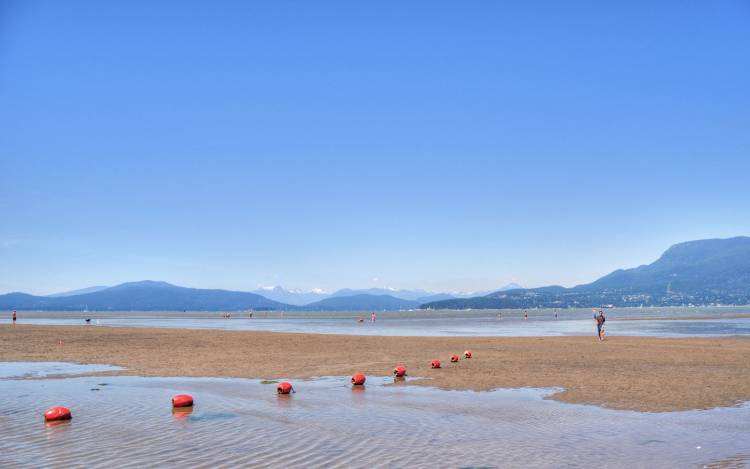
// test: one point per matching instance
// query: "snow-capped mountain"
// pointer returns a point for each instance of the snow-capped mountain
(293, 296)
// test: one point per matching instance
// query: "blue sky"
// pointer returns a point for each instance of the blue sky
(439, 145)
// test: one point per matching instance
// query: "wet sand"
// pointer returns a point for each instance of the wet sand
(637, 373)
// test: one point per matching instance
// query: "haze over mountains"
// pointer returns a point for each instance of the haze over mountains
(299, 297)
(362, 302)
(714, 271)
(146, 295)
(79, 292)
(151, 295)
(711, 271)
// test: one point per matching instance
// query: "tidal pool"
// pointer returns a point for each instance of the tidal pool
(42, 369)
(128, 422)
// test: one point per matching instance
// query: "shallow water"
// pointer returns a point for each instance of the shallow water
(128, 422)
(433, 323)
(42, 369)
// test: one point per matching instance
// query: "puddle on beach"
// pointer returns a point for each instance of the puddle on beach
(14, 370)
(129, 422)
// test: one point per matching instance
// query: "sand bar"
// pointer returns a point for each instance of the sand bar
(637, 373)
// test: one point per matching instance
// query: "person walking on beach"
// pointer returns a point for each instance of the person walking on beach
(14, 316)
(525, 315)
(600, 325)
(372, 317)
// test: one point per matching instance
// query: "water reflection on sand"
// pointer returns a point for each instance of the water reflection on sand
(658, 322)
(43, 369)
(129, 422)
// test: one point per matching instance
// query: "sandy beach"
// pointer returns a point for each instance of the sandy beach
(637, 373)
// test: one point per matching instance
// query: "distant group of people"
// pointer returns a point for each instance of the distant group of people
(14, 318)
(526, 314)
(599, 320)
(373, 317)
(229, 315)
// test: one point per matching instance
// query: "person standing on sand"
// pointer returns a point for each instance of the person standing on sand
(600, 324)
(14, 316)
(525, 315)
(372, 317)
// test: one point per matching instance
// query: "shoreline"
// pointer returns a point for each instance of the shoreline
(683, 318)
(628, 373)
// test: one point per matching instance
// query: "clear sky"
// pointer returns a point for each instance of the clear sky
(439, 144)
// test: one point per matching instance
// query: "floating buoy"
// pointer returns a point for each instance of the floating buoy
(284, 388)
(182, 400)
(358, 379)
(56, 414)
(454, 358)
(467, 354)
(436, 363)
(399, 371)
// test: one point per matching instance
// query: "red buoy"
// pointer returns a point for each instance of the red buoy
(436, 363)
(399, 372)
(454, 358)
(467, 354)
(56, 414)
(358, 379)
(182, 400)
(284, 388)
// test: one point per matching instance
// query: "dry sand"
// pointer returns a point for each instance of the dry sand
(638, 373)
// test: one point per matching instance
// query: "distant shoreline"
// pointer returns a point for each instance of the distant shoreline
(686, 318)
(634, 373)
(726, 311)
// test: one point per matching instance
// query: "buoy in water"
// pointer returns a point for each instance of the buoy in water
(284, 388)
(358, 379)
(57, 414)
(182, 400)
(399, 372)
(436, 363)
(454, 358)
(467, 354)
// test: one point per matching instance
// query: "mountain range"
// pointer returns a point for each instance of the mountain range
(362, 302)
(146, 295)
(149, 295)
(703, 272)
(78, 292)
(710, 271)
(299, 297)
